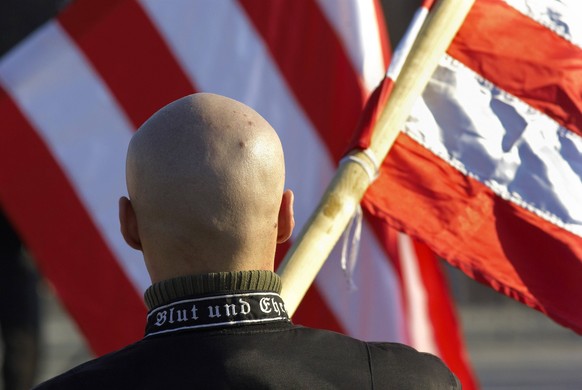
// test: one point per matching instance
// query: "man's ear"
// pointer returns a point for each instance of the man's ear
(286, 221)
(128, 222)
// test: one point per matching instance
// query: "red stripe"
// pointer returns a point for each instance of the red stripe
(427, 4)
(445, 326)
(127, 51)
(492, 240)
(313, 61)
(66, 244)
(523, 58)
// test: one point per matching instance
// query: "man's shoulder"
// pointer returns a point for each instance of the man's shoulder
(413, 369)
(321, 353)
(93, 374)
(391, 365)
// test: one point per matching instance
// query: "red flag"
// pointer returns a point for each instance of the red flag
(488, 171)
(72, 95)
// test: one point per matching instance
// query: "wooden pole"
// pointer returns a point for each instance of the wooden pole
(328, 222)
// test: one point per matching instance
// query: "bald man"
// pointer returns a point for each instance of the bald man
(207, 206)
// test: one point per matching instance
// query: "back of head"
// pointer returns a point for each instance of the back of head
(205, 176)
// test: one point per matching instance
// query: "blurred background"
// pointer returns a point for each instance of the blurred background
(510, 345)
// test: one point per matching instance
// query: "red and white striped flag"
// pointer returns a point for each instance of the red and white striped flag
(73, 93)
(488, 171)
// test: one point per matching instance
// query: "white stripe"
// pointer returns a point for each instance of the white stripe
(420, 326)
(520, 153)
(406, 43)
(79, 120)
(560, 16)
(374, 310)
(355, 23)
(221, 53)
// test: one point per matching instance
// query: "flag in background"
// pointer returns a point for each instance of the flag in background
(489, 169)
(74, 92)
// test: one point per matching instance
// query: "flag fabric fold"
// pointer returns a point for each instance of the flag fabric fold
(73, 93)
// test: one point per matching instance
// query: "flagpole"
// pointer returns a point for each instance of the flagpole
(323, 229)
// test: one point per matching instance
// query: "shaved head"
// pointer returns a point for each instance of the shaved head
(205, 177)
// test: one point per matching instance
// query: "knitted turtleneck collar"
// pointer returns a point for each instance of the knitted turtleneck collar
(166, 291)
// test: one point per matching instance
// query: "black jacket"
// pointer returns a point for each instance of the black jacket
(244, 340)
